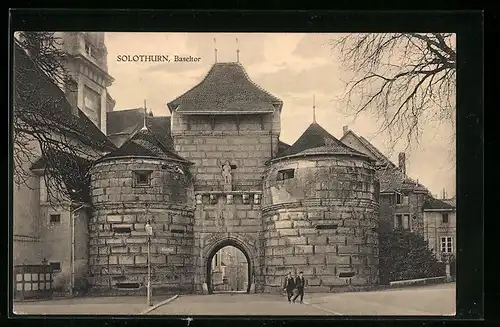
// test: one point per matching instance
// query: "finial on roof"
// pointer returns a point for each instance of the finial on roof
(145, 114)
(215, 49)
(237, 51)
(314, 108)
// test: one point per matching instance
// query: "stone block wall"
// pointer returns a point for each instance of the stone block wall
(246, 147)
(323, 221)
(228, 219)
(118, 240)
(113, 182)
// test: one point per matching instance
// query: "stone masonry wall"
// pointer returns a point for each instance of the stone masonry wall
(118, 240)
(323, 221)
(227, 217)
(247, 149)
(219, 220)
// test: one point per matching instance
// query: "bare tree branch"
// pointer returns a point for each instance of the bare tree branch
(401, 78)
(47, 131)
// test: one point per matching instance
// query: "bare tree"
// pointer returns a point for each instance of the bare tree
(403, 79)
(46, 124)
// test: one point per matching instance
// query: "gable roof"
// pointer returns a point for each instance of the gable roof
(226, 89)
(282, 146)
(316, 140)
(143, 144)
(452, 201)
(376, 154)
(392, 179)
(432, 203)
(60, 110)
(124, 123)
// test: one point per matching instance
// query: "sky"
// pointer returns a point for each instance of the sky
(292, 66)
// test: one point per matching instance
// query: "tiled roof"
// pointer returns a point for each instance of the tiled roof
(392, 179)
(452, 201)
(124, 121)
(129, 121)
(316, 140)
(226, 89)
(61, 112)
(40, 162)
(143, 144)
(282, 146)
(432, 203)
(379, 156)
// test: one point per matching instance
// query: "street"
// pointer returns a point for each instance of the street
(131, 305)
(427, 300)
(424, 300)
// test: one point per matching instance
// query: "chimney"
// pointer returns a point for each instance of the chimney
(346, 129)
(402, 162)
(444, 193)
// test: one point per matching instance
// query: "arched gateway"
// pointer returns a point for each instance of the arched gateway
(226, 179)
(211, 250)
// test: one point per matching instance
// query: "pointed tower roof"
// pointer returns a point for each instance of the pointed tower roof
(317, 141)
(226, 89)
(144, 144)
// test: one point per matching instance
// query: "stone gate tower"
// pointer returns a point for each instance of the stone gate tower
(229, 128)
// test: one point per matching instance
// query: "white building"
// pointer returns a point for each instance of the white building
(440, 226)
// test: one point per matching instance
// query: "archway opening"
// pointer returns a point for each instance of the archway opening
(228, 269)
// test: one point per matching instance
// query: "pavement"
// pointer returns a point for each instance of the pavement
(115, 305)
(436, 300)
(432, 300)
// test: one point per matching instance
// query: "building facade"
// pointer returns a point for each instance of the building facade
(440, 227)
(401, 197)
(213, 174)
(406, 204)
(244, 191)
(42, 230)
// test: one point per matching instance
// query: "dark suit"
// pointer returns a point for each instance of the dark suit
(289, 287)
(299, 284)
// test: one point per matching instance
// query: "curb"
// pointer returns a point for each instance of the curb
(420, 282)
(162, 303)
(321, 308)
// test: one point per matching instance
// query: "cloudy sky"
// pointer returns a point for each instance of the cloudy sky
(291, 66)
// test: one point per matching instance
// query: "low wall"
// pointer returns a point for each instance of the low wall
(420, 281)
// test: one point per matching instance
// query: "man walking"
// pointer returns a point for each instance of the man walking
(289, 286)
(299, 284)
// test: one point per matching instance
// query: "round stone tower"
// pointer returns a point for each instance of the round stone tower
(139, 182)
(320, 212)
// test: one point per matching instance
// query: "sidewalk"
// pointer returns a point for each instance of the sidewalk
(116, 305)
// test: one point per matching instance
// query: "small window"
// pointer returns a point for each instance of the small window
(285, 174)
(55, 266)
(402, 221)
(405, 199)
(55, 218)
(399, 199)
(122, 229)
(88, 49)
(406, 221)
(142, 178)
(446, 244)
(445, 218)
(347, 274)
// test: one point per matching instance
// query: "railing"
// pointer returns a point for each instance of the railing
(33, 281)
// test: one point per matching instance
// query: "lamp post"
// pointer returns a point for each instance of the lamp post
(149, 231)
